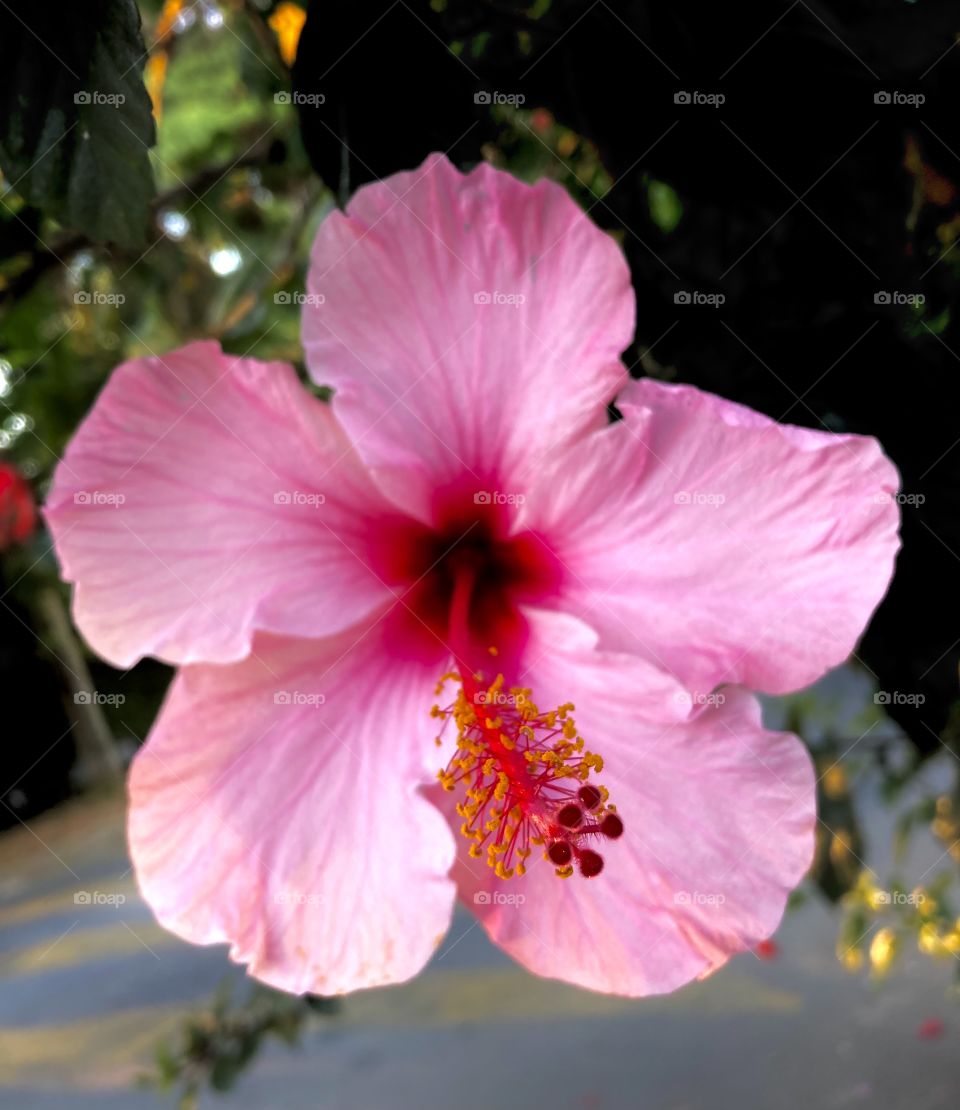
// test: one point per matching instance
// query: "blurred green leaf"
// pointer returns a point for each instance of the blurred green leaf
(215, 1045)
(665, 207)
(75, 119)
(214, 104)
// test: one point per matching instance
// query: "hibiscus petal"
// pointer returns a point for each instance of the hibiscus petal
(718, 828)
(276, 806)
(719, 544)
(207, 496)
(429, 377)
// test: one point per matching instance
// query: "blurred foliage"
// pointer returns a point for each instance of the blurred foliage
(217, 1043)
(880, 922)
(75, 134)
(883, 916)
(801, 200)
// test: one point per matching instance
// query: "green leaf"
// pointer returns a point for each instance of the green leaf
(666, 208)
(75, 119)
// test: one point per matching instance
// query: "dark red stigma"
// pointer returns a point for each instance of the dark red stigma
(590, 796)
(570, 816)
(591, 863)
(560, 853)
(563, 852)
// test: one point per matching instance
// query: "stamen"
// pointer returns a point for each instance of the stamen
(523, 773)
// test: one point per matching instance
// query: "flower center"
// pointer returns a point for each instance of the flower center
(509, 568)
(525, 772)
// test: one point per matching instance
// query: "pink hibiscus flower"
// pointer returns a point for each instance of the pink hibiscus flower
(465, 506)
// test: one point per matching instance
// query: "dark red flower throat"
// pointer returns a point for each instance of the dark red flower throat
(472, 533)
